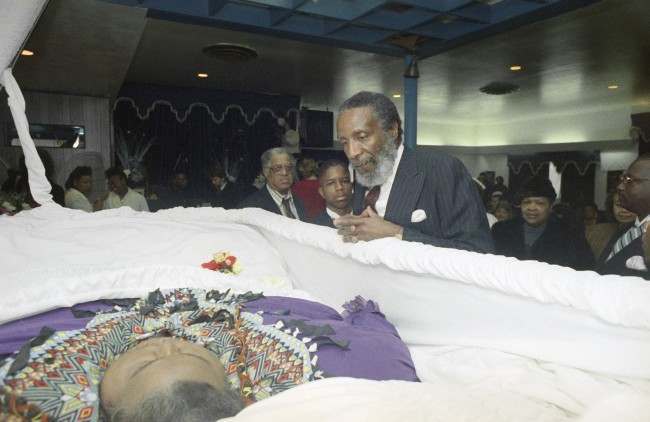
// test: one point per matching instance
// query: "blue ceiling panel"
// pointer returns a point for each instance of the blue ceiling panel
(284, 4)
(450, 30)
(438, 5)
(512, 8)
(365, 35)
(341, 9)
(244, 14)
(303, 24)
(366, 25)
(401, 21)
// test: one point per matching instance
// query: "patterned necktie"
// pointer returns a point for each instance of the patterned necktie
(371, 198)
(286, 207)
(628, 237)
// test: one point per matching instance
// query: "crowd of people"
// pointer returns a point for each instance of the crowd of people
(387, 190)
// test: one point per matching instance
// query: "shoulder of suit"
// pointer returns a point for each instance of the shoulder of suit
(253, 198)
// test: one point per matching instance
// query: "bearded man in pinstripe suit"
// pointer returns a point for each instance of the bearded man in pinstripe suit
(416, 195)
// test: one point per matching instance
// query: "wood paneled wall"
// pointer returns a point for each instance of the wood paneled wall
(93, 113)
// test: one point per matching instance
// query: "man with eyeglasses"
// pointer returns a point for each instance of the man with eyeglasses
(624, 255)
(278, 166)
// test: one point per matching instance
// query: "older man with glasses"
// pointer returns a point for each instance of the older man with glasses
(624, 254)
(278, 168)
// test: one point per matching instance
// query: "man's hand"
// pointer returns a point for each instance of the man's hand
(367, 226)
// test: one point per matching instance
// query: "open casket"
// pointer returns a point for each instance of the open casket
(492, 338)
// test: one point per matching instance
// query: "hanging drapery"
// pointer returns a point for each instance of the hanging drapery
(190, 129)
(581, 160)
(217, 103)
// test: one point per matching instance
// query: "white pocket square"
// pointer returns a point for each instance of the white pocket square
(636, 263)
(418, 215)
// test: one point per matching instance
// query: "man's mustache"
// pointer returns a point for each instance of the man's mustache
(361, 163)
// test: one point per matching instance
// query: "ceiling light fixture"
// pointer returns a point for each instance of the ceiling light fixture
(612, 87)
(515, 67)
(397, 95)
(27, 53)
(202, 75)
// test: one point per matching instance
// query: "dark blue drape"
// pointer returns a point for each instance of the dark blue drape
(186, 135)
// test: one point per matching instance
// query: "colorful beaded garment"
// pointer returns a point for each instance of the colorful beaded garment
(60, 379)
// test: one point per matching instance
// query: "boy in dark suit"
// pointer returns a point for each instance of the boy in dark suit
(336, 190)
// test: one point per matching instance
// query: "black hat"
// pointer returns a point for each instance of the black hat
(538, 186)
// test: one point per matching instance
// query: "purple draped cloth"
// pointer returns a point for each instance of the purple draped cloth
(365, 344)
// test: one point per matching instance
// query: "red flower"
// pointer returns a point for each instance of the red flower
(211, 265)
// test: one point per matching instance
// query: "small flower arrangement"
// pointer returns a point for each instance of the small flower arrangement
(223, 262)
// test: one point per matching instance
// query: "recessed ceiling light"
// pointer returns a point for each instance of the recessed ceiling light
(202, 75)
(27, 53)
(612, 87)
(515, 67)
(397, 95)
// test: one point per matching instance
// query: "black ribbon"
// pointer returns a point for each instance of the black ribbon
(22, 358)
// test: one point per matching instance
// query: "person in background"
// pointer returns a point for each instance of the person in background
(590, 215)
(57, 192)
(500, 186)
(78, 187)
(538, 234)
(336, 189)
(223, 192)
(307, 188)
(599, 235)
(276, 197)
(495, 198)
(120, 194)
(624, 254)
(178, 194)
(503, 211)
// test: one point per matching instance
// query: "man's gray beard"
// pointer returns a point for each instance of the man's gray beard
(385, 162)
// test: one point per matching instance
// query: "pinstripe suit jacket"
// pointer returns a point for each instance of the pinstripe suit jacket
(439, 185)
(617, 265)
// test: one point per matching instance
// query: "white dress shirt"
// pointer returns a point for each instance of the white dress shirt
(334, 215)
(278, 197)
(77, 200)
(132, 199)
(384, 191)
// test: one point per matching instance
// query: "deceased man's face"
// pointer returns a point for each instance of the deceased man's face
(156, 364)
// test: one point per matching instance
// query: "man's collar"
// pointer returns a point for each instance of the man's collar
(640, 223)
(277, 194)
(334, 214)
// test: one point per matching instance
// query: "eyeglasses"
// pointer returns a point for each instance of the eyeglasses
(626, 179)
(288, 168)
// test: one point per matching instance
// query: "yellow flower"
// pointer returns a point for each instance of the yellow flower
(236, 269)
(220, 256)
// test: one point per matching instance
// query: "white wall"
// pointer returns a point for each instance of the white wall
(477, 163)
(586, 124)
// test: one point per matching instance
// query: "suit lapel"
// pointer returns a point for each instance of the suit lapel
(270, 203)
(405, 192)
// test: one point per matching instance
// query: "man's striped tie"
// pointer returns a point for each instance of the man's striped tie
(627, 238)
